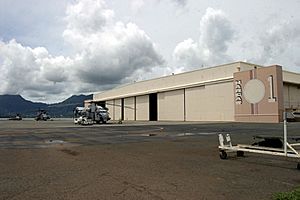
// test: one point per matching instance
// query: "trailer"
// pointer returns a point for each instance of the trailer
(271, 145)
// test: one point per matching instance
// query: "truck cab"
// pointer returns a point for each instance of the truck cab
(91, 114)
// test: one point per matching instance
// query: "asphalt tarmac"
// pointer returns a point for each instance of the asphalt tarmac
(138, 160)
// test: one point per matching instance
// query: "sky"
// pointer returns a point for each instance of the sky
(50, 50)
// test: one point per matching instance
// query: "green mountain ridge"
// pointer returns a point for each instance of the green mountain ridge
(10, 105)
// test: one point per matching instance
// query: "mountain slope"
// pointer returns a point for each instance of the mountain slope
(66, 107)
(10, 105)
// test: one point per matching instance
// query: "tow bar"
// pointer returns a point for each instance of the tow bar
(288, 149)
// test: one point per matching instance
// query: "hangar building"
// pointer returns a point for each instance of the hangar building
(237, 91)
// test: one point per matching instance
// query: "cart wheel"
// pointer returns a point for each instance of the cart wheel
(239, 153)
(298, 166)
(223, 154)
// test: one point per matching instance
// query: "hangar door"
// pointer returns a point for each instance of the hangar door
(210, 103)
(291, 96)
(111, 108)
(171, 105)
(129, 108)
(118, 109)
(142, 107)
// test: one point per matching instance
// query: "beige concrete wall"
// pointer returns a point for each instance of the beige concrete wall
(129, 108)
(291, 96)
(291, 77)
(110, 106)
(210, 103)
(248, 66)
(173, 82)
(291, 90)
(209, 94)
(87, 103)
(259, 95)
(142, 107)
(171, 105)
(118, 109)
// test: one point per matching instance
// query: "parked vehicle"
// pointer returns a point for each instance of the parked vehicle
(90, 115)
(293, 116)
(296, 116)
(17, 117)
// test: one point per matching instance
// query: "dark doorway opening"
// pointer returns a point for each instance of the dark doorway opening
(122, 109)
(153, 107)
(102, 104)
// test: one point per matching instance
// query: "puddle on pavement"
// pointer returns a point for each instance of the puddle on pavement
(54, 141)
(192, 134)
(143, 135)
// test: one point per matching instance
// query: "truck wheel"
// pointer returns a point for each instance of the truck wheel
(223, 154)
(298, 166)
(239, 153)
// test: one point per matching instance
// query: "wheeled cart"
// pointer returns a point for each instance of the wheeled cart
(288, 150)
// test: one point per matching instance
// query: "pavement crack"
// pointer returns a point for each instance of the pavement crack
(121, 192)
(138, 188)
(70, 152)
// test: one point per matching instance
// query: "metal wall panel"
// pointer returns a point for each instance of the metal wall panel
(142, 107)
(129, 108)
(172, 82)
(295, 96)
(110, 106)
(291, 96)
(210, 102)
(171, 105)
(118, 109)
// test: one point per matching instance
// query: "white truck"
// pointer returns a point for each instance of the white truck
(90, 115)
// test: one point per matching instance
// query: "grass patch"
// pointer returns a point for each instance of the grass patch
(292, 195)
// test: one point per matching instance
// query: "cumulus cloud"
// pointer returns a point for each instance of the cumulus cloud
(180, 2)
(112, 50)
(281, 44)
(136, 5)
(25, 70)
(86, 17)
(106, 52)
(216, 33)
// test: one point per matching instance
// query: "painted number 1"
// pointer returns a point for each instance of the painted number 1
(271, 82)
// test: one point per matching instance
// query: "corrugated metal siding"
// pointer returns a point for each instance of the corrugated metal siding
(142, 107)
(167, 83)
(110, 106)
(210, 103)
(291, 96)
(118, 109)
(129, 108)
